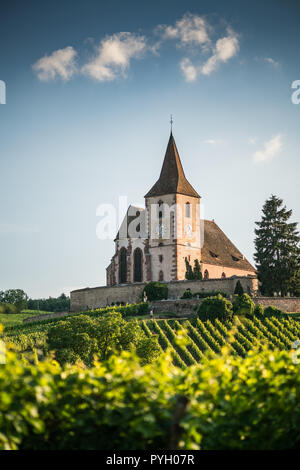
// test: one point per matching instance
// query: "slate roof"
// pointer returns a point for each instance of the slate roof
(219, 250)
(172, 179)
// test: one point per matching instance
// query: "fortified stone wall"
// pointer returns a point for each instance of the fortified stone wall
(97, 297)
(286, 304)
(188, 307)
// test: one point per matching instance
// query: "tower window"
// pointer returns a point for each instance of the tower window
(160, 214)
(206, 274)
(223, 275)
(123, 266)
(161, 276)
(188, 209)
(160, 258)
(137, 265)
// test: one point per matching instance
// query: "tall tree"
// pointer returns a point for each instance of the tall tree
(197, 270)
(190, 273)
(277, 247)
(16, 297)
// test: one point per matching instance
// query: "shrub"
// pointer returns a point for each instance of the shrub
(238, 288)
(272, 310)
(155, 291)
(213, 293)
(243, 305)
(187, 294)
(215, 307)
(8, 308)
(258, 310)
(81, 338)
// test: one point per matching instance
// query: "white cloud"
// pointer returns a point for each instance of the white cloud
(271, 61)
(224, 50)
(113, 56)
(188, 69)
(189, 29)
(60, 63)
(252, 140)
(271, 148)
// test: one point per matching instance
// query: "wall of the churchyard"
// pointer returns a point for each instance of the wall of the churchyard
(286, 304)
(97, 297)
(188, 307)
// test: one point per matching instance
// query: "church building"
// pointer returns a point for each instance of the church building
(153, 243)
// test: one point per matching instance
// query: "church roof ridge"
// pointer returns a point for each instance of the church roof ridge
(172, 179)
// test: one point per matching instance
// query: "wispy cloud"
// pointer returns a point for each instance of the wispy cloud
(188, 70)
(252, 140)
(190, 29)
(226, 48)
(272, 61)
(213, 141)
(60, 63)
(268, 60)
(271, 148)
(113, 56)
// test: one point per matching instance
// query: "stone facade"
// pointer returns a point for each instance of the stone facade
(96, 297)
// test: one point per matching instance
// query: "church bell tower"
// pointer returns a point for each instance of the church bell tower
(173, 215)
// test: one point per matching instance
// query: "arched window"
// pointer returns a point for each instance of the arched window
(161, 276)
(223, 275)
(188, 209)
(137, 265)
(206, 274)
(123, 266)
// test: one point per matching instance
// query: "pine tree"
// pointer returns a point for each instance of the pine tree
(238, 289)
(277, 247)
(189, 275)
(294, 284)
(197, 270)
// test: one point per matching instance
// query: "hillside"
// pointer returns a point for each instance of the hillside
(190, 341)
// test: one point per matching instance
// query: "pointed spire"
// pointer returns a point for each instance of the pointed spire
(172, 179)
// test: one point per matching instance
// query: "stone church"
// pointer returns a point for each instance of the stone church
(153, 243)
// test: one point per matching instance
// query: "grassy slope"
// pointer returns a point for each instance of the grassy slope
(8, 319)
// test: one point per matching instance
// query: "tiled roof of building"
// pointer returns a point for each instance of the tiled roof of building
(219, 250)
(172, 179)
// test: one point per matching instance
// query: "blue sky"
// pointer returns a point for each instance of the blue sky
(87, 115)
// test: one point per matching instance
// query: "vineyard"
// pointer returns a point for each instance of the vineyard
(195, 341)
(190, 341)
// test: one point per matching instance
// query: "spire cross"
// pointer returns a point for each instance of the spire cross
(171, 121)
